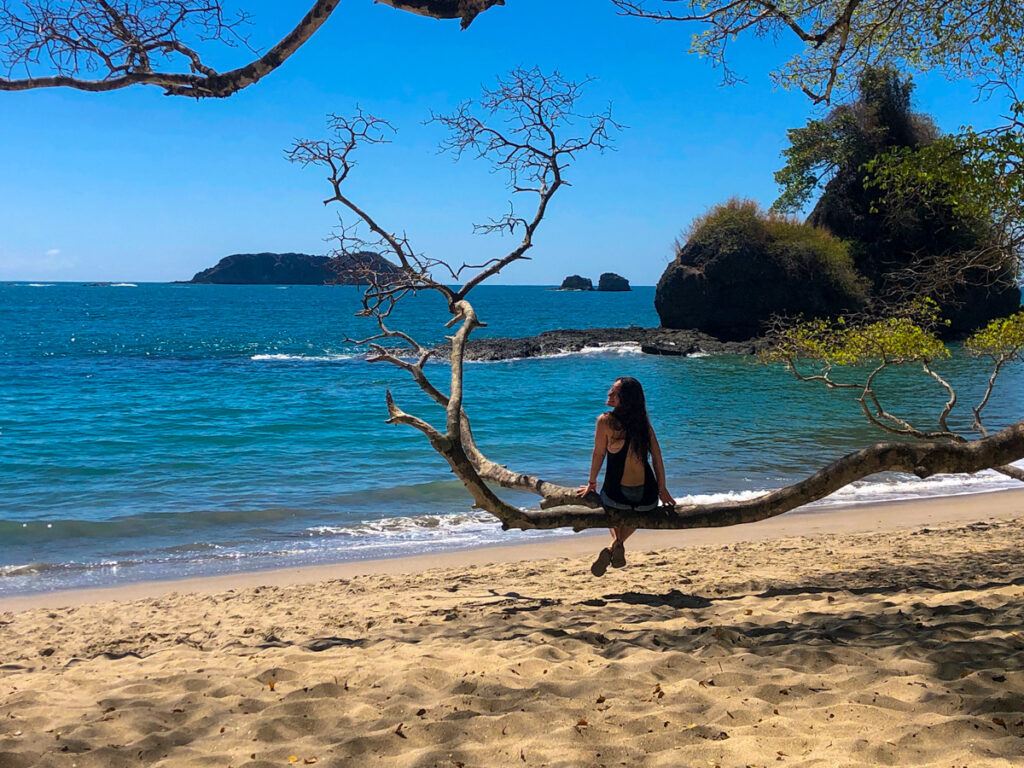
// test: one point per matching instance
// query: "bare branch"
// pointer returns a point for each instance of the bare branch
(534, 109)
(98, 45)
(996, 369)
(950, 392)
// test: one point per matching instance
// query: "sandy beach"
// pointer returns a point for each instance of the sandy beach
(876, 635)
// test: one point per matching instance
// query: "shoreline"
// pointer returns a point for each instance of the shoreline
(849, 519)
(885, 635)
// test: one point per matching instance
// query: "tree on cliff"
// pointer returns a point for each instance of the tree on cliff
(530, 127)
(909, 244)
(102, 45)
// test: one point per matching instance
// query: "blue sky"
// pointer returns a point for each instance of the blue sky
(135, 185)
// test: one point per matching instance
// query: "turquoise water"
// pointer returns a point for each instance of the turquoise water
(158, 430)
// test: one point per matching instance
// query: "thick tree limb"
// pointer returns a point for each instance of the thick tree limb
(921, 459)
(466, 10)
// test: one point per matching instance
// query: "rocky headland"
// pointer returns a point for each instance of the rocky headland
(652, 341)
(294, 269)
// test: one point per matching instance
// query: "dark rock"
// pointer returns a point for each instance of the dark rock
(609, 281)
(655, 341)
(577, 283)
(976, 303)
(733, 297)
(295, 269)
(740, 267)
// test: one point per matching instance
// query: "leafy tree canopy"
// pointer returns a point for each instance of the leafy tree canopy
(849, 136)
(924, 215)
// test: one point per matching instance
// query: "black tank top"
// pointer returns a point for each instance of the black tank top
(615, 465)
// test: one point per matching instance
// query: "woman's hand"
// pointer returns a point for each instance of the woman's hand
(666, 497)
(585, 490)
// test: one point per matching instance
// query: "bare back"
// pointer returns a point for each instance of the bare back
(633, 471)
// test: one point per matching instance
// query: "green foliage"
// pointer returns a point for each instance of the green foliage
(978, 175)
(727, 227)
(897, 340)
(1002, 338)
(815, 153)
(802, 248)
(849, 136)
(837, 40)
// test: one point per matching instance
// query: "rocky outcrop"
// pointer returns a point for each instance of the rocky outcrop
(654, 341)
(609, 281)
(577, 283)
(295, 269)
(733, 295)
(741, 267)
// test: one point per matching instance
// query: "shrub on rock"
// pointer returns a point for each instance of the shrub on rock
(740, 266)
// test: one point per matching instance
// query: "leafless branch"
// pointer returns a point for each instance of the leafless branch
(105, 45)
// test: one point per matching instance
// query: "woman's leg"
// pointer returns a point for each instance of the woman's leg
(621, 533)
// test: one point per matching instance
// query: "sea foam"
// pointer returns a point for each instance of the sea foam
(303, 358)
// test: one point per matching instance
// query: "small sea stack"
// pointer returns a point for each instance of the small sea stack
(611, 282)
(577, 283)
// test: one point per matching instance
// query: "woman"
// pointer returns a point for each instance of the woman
(626, 436)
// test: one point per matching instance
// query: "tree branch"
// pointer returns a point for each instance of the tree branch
(75, 37)
(923, 459)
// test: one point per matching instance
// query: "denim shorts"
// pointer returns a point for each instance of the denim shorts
(633, 494)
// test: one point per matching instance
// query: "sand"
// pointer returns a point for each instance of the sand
(888, 635)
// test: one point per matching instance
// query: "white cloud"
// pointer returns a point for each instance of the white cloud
(49, 265)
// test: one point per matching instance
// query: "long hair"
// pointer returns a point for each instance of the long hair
(631, 416)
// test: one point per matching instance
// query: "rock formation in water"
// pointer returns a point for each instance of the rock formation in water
(295, 269)
(741, 266)
(652, 341)
(609, 281)
(577, 283)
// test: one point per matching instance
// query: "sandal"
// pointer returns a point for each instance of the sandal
(599, 566)
(618, 552)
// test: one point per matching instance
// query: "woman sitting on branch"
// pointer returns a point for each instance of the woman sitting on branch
(626, 436)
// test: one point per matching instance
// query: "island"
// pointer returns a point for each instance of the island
(295, 269)
(609, 281)
(577, 283)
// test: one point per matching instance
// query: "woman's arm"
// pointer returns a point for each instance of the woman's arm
(597, 457)
(659, 470)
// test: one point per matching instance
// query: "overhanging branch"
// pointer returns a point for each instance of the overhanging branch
(156, 42)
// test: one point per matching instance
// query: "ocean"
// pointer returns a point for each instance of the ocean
(162, 430)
